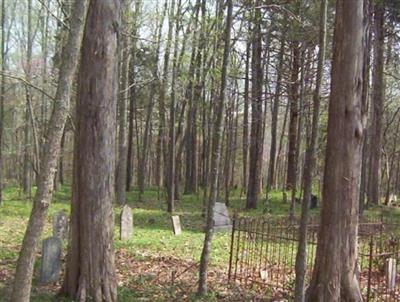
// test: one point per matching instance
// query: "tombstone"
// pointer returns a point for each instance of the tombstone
(222, 221)
(264, 275)
(51, 260)
(176, 225)
(391, 273)
(314, 201)
(126, 223)
(60, 225)
(392, 199)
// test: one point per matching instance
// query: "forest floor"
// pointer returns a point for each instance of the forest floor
(155, 265)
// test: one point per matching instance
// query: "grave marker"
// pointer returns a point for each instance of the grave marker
(391, 273)
(176, 224)
(222, 221)
(51, 260)
(126, 230)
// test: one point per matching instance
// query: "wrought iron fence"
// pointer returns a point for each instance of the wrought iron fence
(263, 253)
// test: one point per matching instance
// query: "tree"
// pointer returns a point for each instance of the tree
(310, 161)
(124, 45)
(70, 56)
(334, 277)
(291, 174)
(215, 155)
(378, 88)
(256, 133)
(275, 112)
(2, 91)
(90, 271)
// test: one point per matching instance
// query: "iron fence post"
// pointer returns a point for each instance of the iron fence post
(371, 251)
(232, 245)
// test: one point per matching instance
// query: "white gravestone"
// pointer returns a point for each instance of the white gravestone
(176, 225)
(126, 223)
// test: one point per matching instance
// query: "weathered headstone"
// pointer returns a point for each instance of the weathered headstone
(51, 260)
(176, 225)
(126, 223)
(391, 273)
(60, 225)
(222, 221)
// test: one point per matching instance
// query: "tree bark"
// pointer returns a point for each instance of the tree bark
(123, 94)
(275, 113)
(191, 127)
(172, 132)
(365, 105)
(132, 100)
(246, 119)
(90, 271)
(291, 173)
(2, 93)
(256, 134)
(378, 91)
(335, 271)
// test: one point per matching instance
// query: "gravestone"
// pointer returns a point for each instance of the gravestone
(176, 225)
(391, 273)
(60, 225)
(392, 199)
(126, 223)
(264, 275)
(222, 221)
(51, 260)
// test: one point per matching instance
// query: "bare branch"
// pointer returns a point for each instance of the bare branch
(26, 82)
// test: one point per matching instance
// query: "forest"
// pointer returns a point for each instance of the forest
(200, 150)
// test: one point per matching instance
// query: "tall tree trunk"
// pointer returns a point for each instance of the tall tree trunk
(132, 99)
(161, 145)
(275, 113)
(378, 91)
(70, 56)
(90, 271)
(191, 127)
(310, 161)
(365, 104)
(216, 155)
(143, 157)
(45, 53)
(256, 135)
(26, 180)
(280, 161)
(172, 132)
(123, 93)
(335, 270)
(246, 119)
(291, 173)
(2, 93)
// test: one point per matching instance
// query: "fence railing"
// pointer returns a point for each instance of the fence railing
(263, 253)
